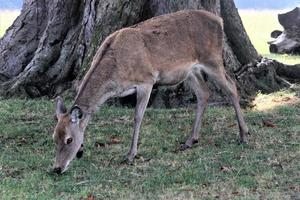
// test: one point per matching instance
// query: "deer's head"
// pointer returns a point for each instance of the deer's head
(68, 135)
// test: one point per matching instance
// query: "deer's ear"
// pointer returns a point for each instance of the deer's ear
(59, 106)
(76, 114)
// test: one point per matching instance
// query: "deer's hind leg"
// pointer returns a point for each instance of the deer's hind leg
(223, 80)
(201, 91)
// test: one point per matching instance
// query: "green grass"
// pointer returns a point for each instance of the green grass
(267, 168)
(7, 17)
(259, 25)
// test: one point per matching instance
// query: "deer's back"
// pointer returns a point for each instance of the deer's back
(172, 39)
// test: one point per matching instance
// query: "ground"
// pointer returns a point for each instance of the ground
(267, 168)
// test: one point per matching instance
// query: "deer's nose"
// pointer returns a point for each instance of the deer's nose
(57, 170)
(79, 154)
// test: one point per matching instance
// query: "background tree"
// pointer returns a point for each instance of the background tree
(51, 44)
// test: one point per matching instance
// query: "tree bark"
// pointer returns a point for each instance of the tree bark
(51, 44)
(235, 31)
(43, 51)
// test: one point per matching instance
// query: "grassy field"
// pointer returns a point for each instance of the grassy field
(267, 168)
(7, 17)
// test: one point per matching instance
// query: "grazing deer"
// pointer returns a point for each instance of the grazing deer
(164, 50)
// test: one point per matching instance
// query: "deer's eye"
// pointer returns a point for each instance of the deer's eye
(69, 140)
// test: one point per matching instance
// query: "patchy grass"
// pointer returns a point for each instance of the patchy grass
(267, 168)
(259, 25)
(265, 102)
(7, 17)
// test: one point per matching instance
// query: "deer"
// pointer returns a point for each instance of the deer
(164, 50)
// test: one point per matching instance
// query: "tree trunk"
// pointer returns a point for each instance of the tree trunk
(43, 51)
(51, 44)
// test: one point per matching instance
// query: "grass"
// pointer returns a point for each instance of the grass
(217, 167)
(259, 25)
(7, 17)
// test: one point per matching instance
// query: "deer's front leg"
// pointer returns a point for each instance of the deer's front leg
(143, 95)
(201, 91)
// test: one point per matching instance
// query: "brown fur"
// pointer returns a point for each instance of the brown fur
(161, 47)
(63, 121)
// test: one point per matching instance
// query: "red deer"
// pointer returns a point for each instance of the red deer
(164, 50)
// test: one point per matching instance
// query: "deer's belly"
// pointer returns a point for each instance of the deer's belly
(173, 77)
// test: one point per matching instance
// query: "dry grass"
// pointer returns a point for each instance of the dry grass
(266, 102)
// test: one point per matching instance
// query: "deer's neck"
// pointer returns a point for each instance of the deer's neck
(97, 85)
(89, 101)
(91, 96)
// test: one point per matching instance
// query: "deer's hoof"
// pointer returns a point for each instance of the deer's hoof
(243, 141)
(184, 147)
(128, 161)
